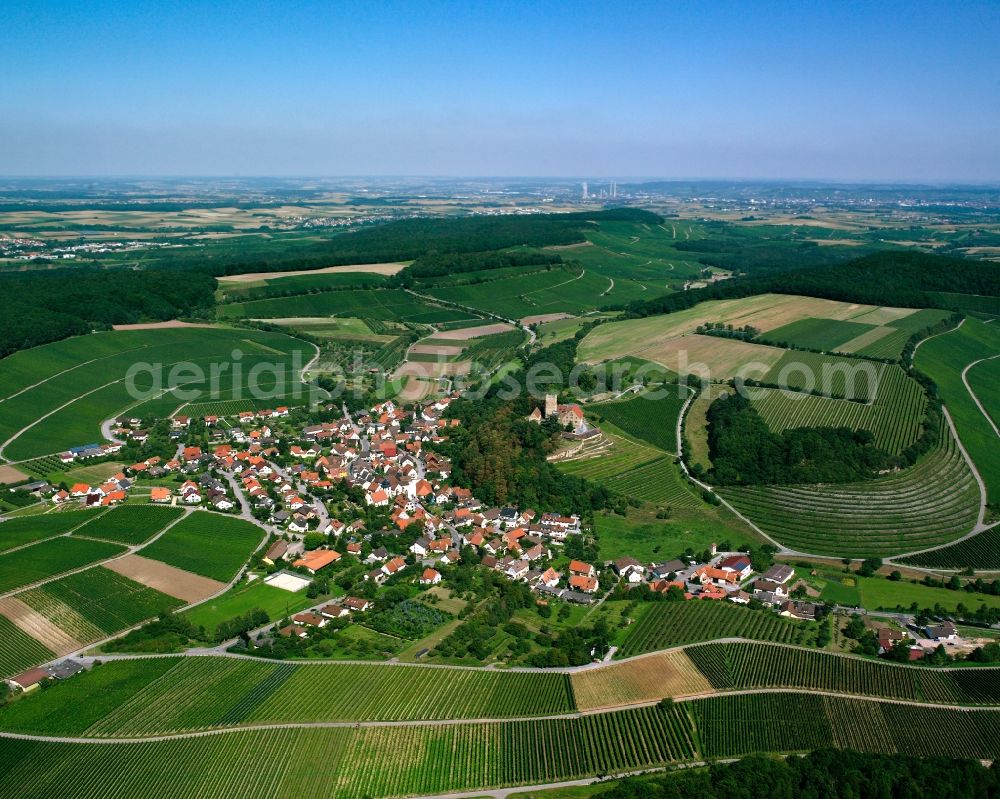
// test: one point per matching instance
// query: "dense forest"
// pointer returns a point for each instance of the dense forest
(409, 239)
(440, 264)
(823, 774)
(886, 278)
(744, 451)
(39, 307)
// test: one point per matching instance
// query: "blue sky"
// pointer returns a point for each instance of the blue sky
(833, 90)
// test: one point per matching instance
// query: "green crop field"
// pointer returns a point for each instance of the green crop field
(971, 303)
(387, 304)
(944, 358)
(19, 651)
(555, 291)
(816, 334)
(130, 524)
(276, 601)
(649, 539)
(80, 395)
(231, 290)
(668, 624)
(351, 763)
(981, 552)
(650, 417)
(207, 544)
(143, 696)
(18, 532)
(932, 503)
(830, 375)
(731, 726)
(752, 665)
(893, 417)
(659, 481)
(49, 558)
(95, 603)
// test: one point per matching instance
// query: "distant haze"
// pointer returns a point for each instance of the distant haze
(840, 91)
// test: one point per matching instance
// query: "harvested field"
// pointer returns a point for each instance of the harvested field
(545, 317)
(166, 579)
(465, 333)
(442, 350)
(431, 369)
(641, 680)
(416, 389)
(10, 474)
(38, 627)
(158, 325)
(374, 269)
(722, 357)
(883, 316)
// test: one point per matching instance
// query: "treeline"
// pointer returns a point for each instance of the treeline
(39, 307)
(744, 451)
(826, 773)
(906, 279)
(409, 239)
(440, 264)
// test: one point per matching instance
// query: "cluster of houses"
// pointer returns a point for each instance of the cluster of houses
(112, 491)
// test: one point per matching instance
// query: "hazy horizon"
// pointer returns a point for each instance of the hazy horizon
(765, 91)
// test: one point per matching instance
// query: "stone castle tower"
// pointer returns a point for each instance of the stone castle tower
(551, 405)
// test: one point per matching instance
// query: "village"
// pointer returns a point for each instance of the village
(363, 503)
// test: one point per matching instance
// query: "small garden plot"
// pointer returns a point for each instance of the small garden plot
(130, 524)
(207, 544)
(409, 619)
(49, 558)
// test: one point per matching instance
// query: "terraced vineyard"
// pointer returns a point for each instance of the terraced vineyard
(95, 603)
(651, 420)
(19, 651)
(668, 624)
(623, 455)
(129, 524)
(894, 417)
(749, 665)
(49, 558)
(932, 503)
(981, 552)
(208, 544)
(425, 759)
(659, 481)
(25, 530)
